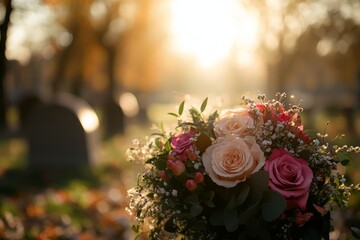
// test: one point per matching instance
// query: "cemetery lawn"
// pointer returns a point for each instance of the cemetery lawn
(82, 204)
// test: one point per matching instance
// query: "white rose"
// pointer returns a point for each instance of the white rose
(236, 121)
(232, 159)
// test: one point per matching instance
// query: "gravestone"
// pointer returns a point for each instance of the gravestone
(25, 106)
(62, 134)
(114, 119)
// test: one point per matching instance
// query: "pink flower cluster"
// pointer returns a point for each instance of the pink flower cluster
(278, 114)
(289, 176)
(184, 149)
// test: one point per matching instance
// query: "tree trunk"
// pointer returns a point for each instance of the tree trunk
(3, 36)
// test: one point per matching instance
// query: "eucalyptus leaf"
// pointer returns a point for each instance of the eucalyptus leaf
(258, 184)
(231, 203)
(273, 205)
(230, 219)
(209, 196)
(216, 219)
(196, 209)
(245, 214)
(242, 194)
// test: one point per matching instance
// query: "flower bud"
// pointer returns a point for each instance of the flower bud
(299, 219)
(307, 216)
(177, 167)
(199, 177)
(190, 185)
(163, 175)
(191, 155)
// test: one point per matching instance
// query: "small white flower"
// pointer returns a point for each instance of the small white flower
(266, 142)
(290, 135)
(196, 165)
(174, 193)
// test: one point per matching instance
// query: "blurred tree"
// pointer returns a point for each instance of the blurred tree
(5, 21)
(336, 24)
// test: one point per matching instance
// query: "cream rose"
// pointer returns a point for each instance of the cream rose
(236, 121)
(232, 159)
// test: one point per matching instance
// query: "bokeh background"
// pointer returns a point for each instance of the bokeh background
(120, 65)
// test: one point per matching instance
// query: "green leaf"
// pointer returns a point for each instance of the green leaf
(173, 114)
(171, 203)
(242, 194)
(216, 219)
(230, 219)
(311, 234)
(192, 199)
(196, 209)
(135, 228)
(344, 159)
(209, 199)
(231, 203)
(273, 205)
(160, 164)
(247, 213)
(355, 232)
(150, 161)
(258, 184)
(203, 105)
(181, 108)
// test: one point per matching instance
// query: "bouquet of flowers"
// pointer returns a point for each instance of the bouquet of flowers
(250, 172)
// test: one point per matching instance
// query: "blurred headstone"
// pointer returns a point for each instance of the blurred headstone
(25, 106)
(62, 134)
(114, 119)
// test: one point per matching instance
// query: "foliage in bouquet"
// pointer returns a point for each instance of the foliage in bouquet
(251, 172)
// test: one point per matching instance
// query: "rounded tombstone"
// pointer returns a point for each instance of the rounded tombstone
(62, 134)
(26, 104)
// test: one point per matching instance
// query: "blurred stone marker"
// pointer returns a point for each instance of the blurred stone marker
(114, 119)
(62, 134)
(26, 105)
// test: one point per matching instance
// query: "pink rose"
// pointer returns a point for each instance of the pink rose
(232, 159)
(289, 176)
(182, 142)
(238, 122)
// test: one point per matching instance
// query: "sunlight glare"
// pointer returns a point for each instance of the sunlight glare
(88, 119)
(209, 30)
(129, 104)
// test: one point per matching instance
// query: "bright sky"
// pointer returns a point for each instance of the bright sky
(209, 30)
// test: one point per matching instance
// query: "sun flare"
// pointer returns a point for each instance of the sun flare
(211, 30)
